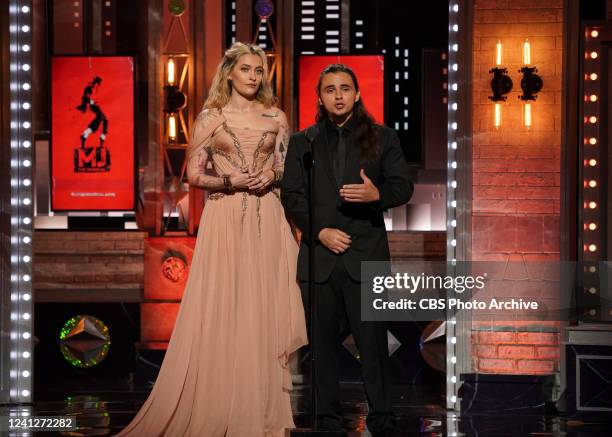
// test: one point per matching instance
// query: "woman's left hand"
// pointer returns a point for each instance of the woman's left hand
(265, 179)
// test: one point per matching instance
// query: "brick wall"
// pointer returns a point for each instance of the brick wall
(516, 172)
(411, 245)
(88, 266)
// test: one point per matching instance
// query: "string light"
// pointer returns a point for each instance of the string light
(20, 71)
(454, 127)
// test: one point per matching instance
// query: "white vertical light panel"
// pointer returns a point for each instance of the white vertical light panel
(307, 13)
(262, 37)
(454, 70)
(332, 17)
(21, 307)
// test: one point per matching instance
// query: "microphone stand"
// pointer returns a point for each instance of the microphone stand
(309, 162)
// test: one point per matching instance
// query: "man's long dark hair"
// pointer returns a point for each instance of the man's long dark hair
(366, 132)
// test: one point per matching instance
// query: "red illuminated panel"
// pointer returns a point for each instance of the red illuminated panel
(157, 321)
(92, 133)
(167, 262)
(370, 74)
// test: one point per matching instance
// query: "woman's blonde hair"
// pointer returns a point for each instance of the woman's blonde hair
(221, 89)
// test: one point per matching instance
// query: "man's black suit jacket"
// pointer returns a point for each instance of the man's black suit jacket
(362, 221)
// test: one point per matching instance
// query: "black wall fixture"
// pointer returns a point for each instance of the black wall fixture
(501, 84)
(531, 83)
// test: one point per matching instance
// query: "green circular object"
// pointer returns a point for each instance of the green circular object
(84, 341)
(176, 7)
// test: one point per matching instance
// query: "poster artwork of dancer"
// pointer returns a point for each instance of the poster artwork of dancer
(92, 159)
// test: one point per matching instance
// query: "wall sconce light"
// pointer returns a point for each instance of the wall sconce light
(501, 84)
(175, 100)
(499, 51)
(527, 121)
(171, 70)
(497, 116)
(172, 127)
(526, 52)
(531, 84)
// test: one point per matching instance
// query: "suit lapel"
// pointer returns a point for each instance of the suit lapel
(322, 155)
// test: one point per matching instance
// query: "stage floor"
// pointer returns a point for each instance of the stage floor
(104, 407)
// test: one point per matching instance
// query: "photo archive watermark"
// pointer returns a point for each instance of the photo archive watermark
(488, 290)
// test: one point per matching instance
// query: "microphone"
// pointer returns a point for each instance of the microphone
(309, 164)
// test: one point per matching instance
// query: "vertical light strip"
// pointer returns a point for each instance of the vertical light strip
(590, 150)
(308, 28)
(231, 31)
(591, 217)
(358, 36)
(333, 22)
(262, 38)
(20, 59)
(452, 425)
(454, 71)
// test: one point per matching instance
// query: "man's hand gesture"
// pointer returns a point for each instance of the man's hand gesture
(361, 193)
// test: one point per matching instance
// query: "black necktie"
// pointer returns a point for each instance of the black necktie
(340, 156)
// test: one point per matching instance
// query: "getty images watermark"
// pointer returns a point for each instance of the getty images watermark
(492, 291)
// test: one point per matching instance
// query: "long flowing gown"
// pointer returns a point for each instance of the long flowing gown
(225, 373)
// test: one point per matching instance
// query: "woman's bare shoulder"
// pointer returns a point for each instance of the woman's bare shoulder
(206, 115)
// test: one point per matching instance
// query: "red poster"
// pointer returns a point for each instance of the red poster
(92, 133)
(370, 74)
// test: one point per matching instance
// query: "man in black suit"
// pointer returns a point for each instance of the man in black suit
(360, 171)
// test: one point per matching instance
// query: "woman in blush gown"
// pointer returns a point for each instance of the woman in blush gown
(225, 373)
